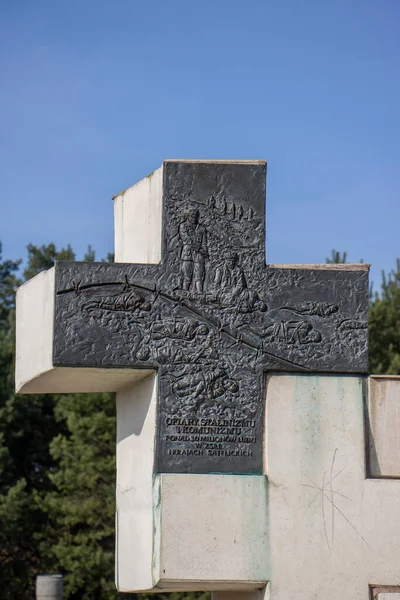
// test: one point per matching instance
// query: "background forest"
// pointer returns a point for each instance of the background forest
(57, 455)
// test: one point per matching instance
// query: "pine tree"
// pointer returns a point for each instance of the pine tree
(25, 434)
(43, 258)
(384, 321)
(28, 426)
(384, 326)
(336, 258)
(81, 506)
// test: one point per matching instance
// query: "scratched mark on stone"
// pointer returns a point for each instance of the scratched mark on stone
(327, 497)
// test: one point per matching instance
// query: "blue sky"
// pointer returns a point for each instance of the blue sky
(95, 94)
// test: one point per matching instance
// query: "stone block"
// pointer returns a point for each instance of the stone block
(49, 587)
(138, 221)
(35, 372)
(332, 531)
(213, 528)
(386, 593)
(383, 426)
(182, 531)
(34, 330)
(136, 423)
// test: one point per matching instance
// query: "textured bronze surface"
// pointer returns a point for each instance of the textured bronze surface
(212, 318)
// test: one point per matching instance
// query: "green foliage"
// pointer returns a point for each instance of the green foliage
(57, 472)
(336, 258)
(90, 255)
(26, 430)
(57, 476)
(384, 321)
(57, 457)
(40, 259)
(109, 258)
(8, 283)
(81, 506)
(384, 326)
(53, 516)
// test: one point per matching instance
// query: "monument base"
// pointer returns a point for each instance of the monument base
(320, 522)
(182, 532)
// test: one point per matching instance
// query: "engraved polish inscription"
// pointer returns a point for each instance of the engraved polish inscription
(211, 318)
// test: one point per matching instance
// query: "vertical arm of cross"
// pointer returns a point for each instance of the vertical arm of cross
(160, 535)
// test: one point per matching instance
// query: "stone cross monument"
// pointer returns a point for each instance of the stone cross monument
(251, 452)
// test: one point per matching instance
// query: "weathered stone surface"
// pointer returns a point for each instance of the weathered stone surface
(212, 318)
(49, 587)
(333, 533)
(181, 531)
(135, 524)
(313, 526)
(202, 540)
(383, 426)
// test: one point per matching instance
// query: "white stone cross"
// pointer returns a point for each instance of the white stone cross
(322, 521)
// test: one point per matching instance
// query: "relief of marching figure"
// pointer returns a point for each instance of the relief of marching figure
(194, 253)
(235, 211)
(205, 277)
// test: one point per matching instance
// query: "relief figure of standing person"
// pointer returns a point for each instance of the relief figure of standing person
(194, 252)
